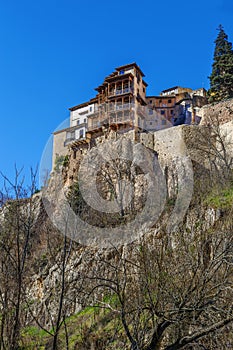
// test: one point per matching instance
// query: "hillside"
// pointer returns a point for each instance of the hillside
(128, 247)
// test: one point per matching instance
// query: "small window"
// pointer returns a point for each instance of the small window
(78, 121)
(70, 134)
(144, 90)
(150, 111)
(81, 133)
(91, 109)
(151, 101)
(85, 120)
(169, 101)
(122, 72)
(151, 123)
(162, 112)
(172, 111)
(164, 122)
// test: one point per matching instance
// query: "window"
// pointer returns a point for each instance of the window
(91, 109)
(151, 123)
(164, 122)
(83, 112)
(172, 111)
(70, 135)
(151, 101)
(150, 111)
(118, 90)
(169, 101)
(162, 112)
(81, 133)
(78, 121)
(85, 120)
(122, 72)
(144, 90)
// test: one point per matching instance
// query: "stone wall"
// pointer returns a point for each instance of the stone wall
(58, 145)
(222, 111)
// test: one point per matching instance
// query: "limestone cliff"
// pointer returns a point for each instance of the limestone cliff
(151, 186)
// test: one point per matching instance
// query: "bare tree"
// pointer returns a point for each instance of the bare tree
(26, 237)
(170, 296)
(175, 291)
(215, 142)
(16, 230)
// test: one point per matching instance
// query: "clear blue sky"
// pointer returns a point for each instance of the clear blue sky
(54, 53)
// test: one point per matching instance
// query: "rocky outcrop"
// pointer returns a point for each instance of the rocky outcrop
(181, 154)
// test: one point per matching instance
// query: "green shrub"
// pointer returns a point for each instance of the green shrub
(61, 161)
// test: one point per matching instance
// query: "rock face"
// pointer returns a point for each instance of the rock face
(179, 158)
(183, 153)
(121, 186)
(226, 131)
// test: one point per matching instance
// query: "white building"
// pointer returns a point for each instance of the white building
(75, 132)
(78, 122)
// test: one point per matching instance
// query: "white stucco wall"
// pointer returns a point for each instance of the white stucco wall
(81, 115)
(78, 133)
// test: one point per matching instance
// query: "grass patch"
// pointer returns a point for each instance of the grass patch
(221, 200)
(93, 327)
(33, 338)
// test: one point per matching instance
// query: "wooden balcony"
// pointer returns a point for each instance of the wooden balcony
(118, 92)
(120, 115)
(69, 140)
(114, 107)
(123, 119)
(72, 136)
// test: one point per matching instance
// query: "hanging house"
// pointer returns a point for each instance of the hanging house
(121, 104)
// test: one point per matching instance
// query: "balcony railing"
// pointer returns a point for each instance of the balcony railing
(96, 124)
(112, 119)
(69, 140)
(121, 119)
(117, 92)
(117, 107)
(71, 132)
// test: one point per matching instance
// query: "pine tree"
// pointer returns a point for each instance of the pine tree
(221, 78)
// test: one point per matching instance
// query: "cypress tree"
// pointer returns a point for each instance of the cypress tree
(221, 78)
